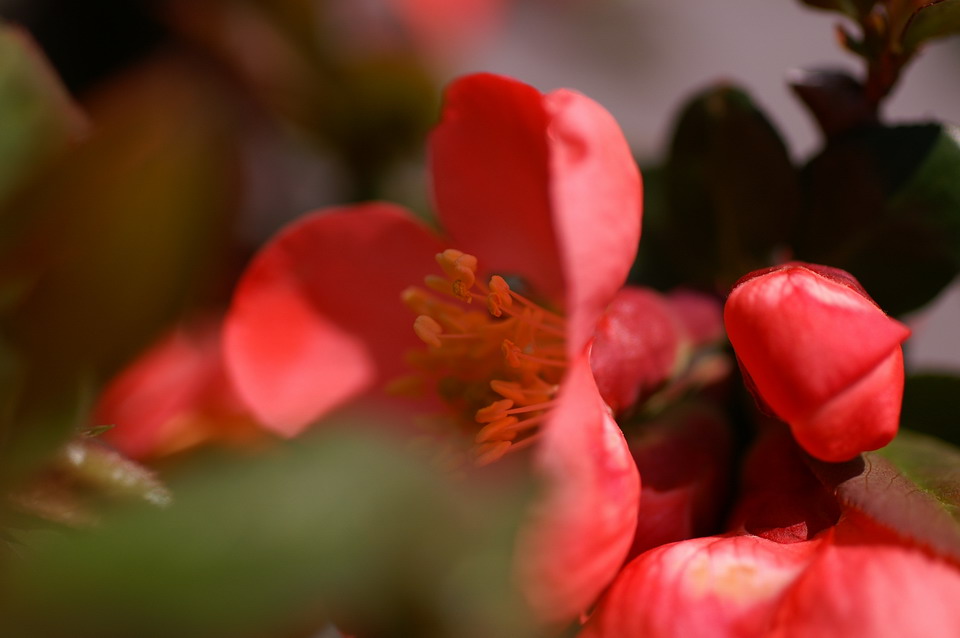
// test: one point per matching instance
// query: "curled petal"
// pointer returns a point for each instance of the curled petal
(596, 197)
(543, 187)
(490, 166)
(821, 355)
(881, 591)
(581, 529)
(317, 317)
(718, 587)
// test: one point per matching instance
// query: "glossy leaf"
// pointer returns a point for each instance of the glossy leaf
(937, 19)
(348, 526)
(910, 488)
(731, 190)
(884, 204)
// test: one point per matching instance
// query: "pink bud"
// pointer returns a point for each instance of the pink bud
(821, 355)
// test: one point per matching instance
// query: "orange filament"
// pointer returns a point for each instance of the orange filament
(499, 369)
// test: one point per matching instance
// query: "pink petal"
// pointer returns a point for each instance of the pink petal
(491, 179)
(863, 417)
(719, 587)
(597, 204)
(317, 317)
(539, 186)
(881, 591)
(581, 529)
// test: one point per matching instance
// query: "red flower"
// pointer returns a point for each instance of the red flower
(821, 355)
(540, 189)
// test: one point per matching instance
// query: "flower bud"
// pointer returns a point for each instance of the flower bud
(821, 355)
(639, 343)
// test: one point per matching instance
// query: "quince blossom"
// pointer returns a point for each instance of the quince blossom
(539, 199)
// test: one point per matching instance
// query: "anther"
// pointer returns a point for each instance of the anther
(512, 353)
(494, 411)
(499, 430)
(428, 330)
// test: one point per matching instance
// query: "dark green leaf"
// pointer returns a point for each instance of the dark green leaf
(911, 488)
(931, 405)
(852, 8)
(884, 204)
(937, 19)
(731, 190)
(343, 526)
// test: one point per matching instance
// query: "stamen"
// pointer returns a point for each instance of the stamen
(540, 393)
(493, 411)
(515, 356)
(490, 452)
(501, 429)
(428, 330)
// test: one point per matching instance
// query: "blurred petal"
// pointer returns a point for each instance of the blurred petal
(317, 317)
(881, 591)
(581, 529)
(175, 395)
(595, 191)
(720, 587)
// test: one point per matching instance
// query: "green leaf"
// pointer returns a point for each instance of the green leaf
(911, 488)
(343, 526)
(39, 119)
(931, 405)
(938, 19)
(884, 204)
(731, 190)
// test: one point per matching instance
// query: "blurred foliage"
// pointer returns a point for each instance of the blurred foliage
(107, 242)
(345, 526)
(884, 204)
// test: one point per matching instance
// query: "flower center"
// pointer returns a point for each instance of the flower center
(498, 368)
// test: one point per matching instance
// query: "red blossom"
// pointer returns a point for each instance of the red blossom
(537, 187)
(820, 354)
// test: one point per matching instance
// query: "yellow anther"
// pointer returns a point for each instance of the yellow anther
(428, 330)
(494, 411)
(498, 430)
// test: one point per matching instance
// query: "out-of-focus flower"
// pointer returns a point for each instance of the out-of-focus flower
(821, 355)
(175, 396)
(540, 201)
